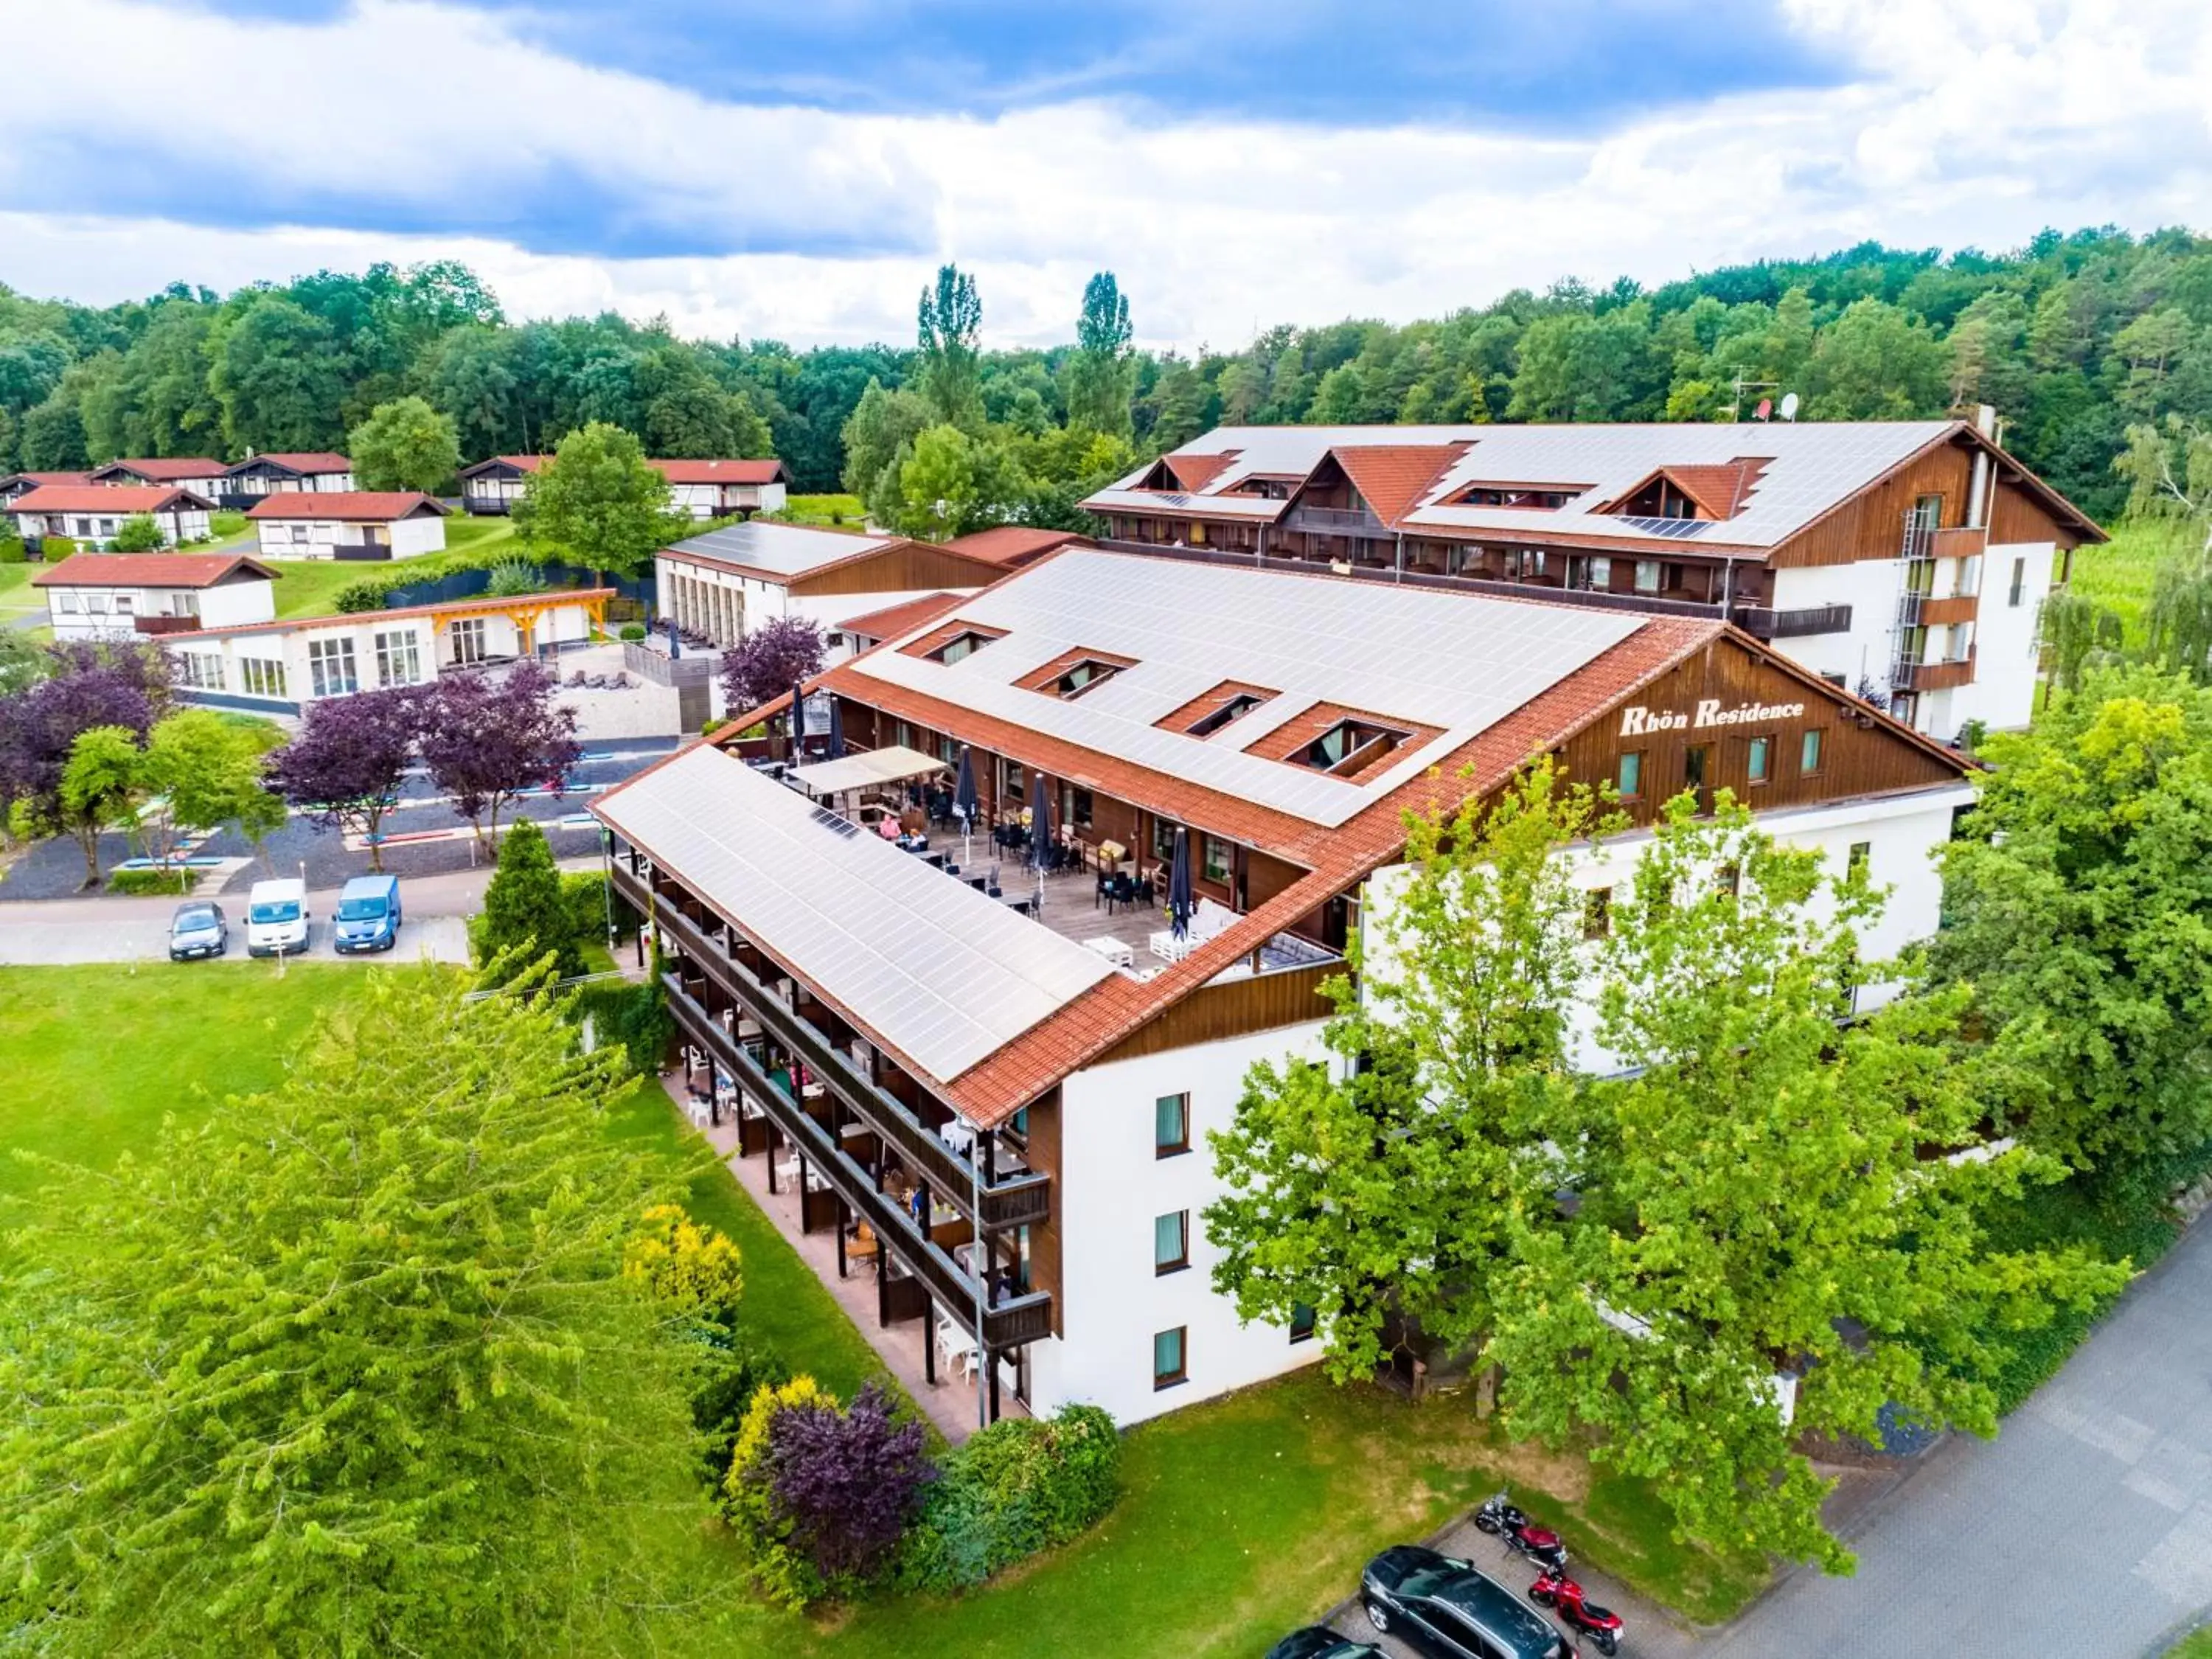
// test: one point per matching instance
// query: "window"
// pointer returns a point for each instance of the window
(1927, 512)
(960, 647)
(1011, 784)
(200, 669)
(1601, 573)
(1163, 840)
(1755, 759)
(1728, 878)
(1235, 709)
(1171, 1125)
(1647, 576)
(1597, 912)
(398, 660)
(83, 528)
(468, 637)
(331, 667)
(71, 605)
(1632, 774)
(1082, 675)
(299, 534)
(1349, 747)
(1168, 1359)
(1861, 854)
(1302, 1321)
(184, 604)
(259, 677)
(1080, 807)
(125, 604)
(1217, 861)
(1693, 773)
(1172, 1242)
(1808, 754)
(2019, 582)
(95, 604)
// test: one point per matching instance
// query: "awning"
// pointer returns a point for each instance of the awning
(861, 769)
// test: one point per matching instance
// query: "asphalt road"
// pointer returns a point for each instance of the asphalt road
(2083, 1531)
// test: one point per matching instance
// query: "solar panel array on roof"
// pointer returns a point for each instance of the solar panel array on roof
(784, 550)
(1458, 662)
(941, 973)
(1675, 530)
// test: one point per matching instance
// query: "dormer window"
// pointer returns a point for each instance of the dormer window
(1545, 498)
(1349, 747)
(1082, 675)
(960, 647)
(1235, 709)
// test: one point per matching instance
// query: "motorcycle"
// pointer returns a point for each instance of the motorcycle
(1558, 1591)
(1500, 1518)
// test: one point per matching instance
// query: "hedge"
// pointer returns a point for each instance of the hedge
(1020, 1487)
(141, 883)
(636, 1015)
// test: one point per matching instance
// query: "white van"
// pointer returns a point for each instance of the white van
(276, 918)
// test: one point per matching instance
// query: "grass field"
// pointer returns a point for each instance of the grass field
(2197, 1645)
(1241, 1519)
(838, 510)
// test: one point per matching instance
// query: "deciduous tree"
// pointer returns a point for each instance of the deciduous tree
(201, 771)
(83, 687)
(487, 737)
(345, 766)
(353, 1368)
(404, 445)
(1102, 372)
(139, 533)
(771, 659)
(599, 499)
(100, 784)
(947, 322)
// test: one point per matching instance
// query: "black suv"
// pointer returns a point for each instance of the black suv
(1446, 1609)
(1320, 1642)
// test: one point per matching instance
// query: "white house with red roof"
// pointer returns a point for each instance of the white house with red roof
(200, 474)
(715, 489)
(21, 483)
(496, 484)
(274, 473)
(90, 514)
(358, 524)
(104, 595)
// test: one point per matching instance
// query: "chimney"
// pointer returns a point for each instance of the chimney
(1986, 421)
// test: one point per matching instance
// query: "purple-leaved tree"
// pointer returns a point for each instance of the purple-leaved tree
(86, 686)
(486, 738)
(770, 660)
(345, 767)
(849, 1482)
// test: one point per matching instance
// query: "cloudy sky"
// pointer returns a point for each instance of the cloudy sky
(795, 170)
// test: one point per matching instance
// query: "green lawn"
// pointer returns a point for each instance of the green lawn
(17, 596)
(1243, 1517)
(2197, 1645)
(845, 510)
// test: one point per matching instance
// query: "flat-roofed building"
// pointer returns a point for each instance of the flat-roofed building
(915, 1057)
(1907, 559)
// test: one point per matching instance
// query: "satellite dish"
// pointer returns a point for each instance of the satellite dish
(1788, 405)
(1765, 407)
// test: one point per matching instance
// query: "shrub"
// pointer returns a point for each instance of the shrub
(762, 1535)
(513, 577)
(695, 1268)
(846, 1483)
(12, 550)
(1019, 1487)
(633, 632)
(142, 882)
(584, 896)
(734, 1367)
(139, 533)
(633, 1016)
(711, 725)
(54, 548)
(524, 908)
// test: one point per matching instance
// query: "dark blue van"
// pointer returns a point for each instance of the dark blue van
(368, 915)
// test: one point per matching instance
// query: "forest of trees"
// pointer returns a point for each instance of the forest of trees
(2073, 339)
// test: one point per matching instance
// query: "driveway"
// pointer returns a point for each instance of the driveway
(2083, 1531)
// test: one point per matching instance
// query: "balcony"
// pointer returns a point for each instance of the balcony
(165, 624)
(1007, 1201)
(1948, 611)
(1958, 544)
(1336, 521)
(1934, 676)
(1762, 622)
(1009, 1323)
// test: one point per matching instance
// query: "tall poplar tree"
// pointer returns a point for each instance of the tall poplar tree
(946, 326)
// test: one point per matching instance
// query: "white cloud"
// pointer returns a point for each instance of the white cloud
(1971, 121)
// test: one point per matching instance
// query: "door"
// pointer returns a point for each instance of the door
(1693, 776)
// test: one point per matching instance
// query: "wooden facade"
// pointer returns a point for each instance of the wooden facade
(1041, 1148)
(902, 567)
(1859, 752)
(1232, 1008)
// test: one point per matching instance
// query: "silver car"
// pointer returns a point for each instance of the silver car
(198, 929)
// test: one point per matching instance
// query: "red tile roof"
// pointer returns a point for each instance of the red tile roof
(519, 463)
(345, 505)
(45, 478)
(148, 570)
(1392, 478)
(483, 604)
(1016, 544)
(167, 470)
(107, 500)
(769, 471)
(893, 620)
(302, 460)
(1197, 471)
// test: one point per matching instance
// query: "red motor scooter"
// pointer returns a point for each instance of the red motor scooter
(1555, 1590)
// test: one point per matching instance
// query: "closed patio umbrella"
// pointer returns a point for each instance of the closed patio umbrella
(1180, 905)
(836, 730)
(963, 798)
(798, 722)
(1039, 833)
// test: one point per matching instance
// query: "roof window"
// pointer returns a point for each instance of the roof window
(1082, 675)
(1235, 709)
(1349, 747)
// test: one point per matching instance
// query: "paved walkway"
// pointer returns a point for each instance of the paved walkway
(2083, 1531)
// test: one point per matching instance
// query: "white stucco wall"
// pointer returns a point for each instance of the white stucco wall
(1870, 588)
(1112, 1189)
(2002, 692)
(408, 539)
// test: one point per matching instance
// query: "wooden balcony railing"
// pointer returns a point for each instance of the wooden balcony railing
(1008, 1202)
(1008, 1324)
(1764, 622)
